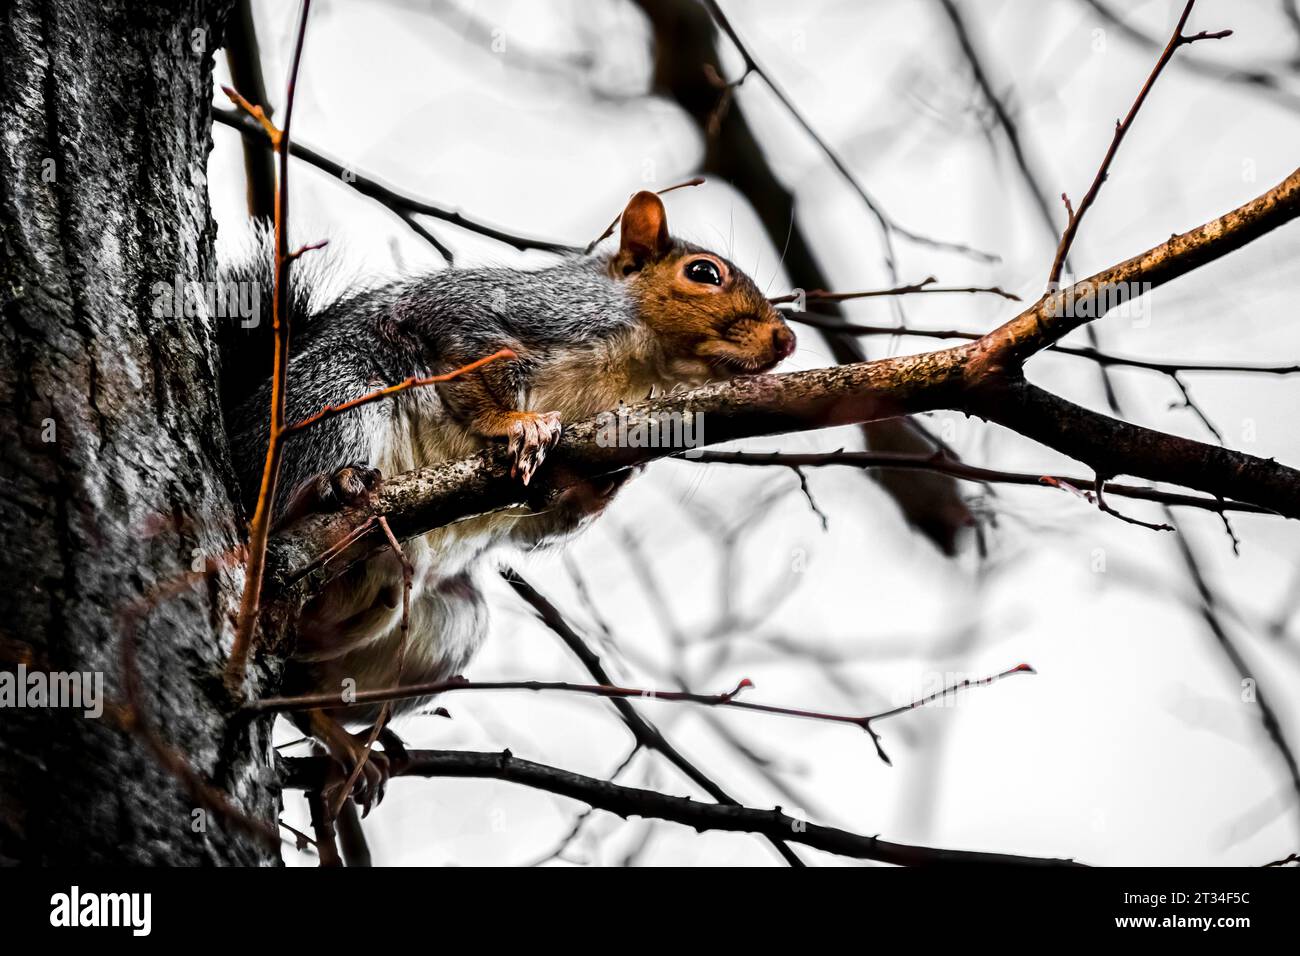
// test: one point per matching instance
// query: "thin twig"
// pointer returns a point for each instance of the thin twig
(302, 842)
(1099, 356)
(1100, 492)
(260, 527)
(959, 469)
(1252, 78)
(609, 230)
(404, 205)
(1121, 129)
(925, 286)
(415, 381)
(725, 699)
(887, 224)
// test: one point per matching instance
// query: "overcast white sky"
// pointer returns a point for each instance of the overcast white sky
(1133, 745)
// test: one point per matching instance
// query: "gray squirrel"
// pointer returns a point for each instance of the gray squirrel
(588, 333)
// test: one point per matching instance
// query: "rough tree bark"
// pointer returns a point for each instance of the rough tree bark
(116, 477)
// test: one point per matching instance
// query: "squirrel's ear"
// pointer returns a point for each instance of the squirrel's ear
(644, 236)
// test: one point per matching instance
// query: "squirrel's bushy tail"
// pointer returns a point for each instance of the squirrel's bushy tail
(245, 342)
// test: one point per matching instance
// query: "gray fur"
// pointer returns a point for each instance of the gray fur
(422, 326)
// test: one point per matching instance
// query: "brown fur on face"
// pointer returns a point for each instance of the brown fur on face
(710, 329)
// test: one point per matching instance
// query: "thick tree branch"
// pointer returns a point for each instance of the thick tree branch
(309, 773)
(1054, 316)
(420, 501)
(1112, 447)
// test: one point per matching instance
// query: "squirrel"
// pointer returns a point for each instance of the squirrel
(588, 333)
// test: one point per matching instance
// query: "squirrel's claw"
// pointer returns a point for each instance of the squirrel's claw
(531, 435)
(399, 758)
(371, 783)
(348, 751)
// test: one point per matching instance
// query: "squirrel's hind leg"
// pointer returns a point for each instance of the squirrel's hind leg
(348, 752)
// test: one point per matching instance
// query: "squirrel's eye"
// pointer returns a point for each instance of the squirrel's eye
(705, 271)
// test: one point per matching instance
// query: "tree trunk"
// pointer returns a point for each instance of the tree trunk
(116, 477)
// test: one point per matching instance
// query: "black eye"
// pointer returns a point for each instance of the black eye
(705, 271)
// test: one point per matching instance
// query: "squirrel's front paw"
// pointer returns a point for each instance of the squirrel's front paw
(348, 486)
(531, 435)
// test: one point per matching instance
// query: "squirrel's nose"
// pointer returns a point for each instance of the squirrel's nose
(783, 342)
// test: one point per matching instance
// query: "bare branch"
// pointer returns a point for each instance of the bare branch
(959, 469)
(925, 286)
(1252, 77)
(1169, 367)
(403, 204)
(260, 526)
(728, 699)
(1100, 496)
(1121, 129)
(609, 230)
(308, 772)
(419, 501)
(643, 731)
(887, 224)
(1053, 316)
